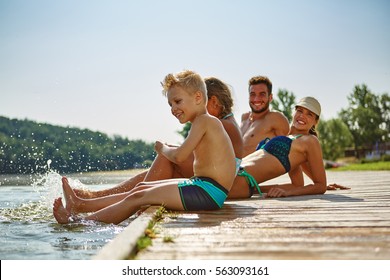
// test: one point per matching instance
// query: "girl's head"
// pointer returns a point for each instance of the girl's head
(220, 101)
(311, 108)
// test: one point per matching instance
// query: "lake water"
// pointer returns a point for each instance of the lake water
(28, 229)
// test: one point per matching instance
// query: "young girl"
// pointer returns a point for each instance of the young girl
(214, 164)
(298, 152)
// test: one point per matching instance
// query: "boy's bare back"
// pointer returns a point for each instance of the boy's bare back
(214, 154)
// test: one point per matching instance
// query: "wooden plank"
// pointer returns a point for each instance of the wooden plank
(342, 224)
(124, 244)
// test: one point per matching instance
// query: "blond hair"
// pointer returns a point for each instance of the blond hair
(188, 80)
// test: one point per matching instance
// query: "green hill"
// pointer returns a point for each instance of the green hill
(28, 147)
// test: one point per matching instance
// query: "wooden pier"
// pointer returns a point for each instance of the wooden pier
(339, 225)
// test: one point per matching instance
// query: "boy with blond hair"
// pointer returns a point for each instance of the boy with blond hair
(214, 164)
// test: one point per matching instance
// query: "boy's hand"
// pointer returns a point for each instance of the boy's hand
(158, 146)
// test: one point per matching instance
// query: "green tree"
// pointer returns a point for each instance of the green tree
(334, 137)
(385, 102)
(367, 117)
(284, 103)
(26, 146)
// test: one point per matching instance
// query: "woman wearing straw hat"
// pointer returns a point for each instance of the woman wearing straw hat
(298, 152)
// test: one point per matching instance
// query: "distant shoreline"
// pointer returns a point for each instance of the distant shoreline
(93, 177)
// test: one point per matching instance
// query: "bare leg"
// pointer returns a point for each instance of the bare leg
(240, 189)
(75, 204)
(164, 193)
(161, 169)
(125, 186)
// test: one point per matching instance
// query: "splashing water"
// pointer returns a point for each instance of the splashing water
(48, 186)
(28, 229)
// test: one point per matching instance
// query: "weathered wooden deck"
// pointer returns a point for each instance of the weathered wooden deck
(344, 224)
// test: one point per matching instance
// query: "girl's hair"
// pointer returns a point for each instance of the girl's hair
(188, 80)
(313, 130)
(219, 89)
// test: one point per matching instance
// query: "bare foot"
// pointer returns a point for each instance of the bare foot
(72, 201)
(60, 213)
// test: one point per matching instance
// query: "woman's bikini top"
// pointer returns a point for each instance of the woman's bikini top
(279, 147)
(227, 116)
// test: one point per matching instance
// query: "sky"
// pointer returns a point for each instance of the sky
(98, 64)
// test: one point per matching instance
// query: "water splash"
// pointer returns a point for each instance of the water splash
(48, 186)
(49, 161)
(27, 212)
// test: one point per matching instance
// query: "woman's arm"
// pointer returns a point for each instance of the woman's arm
(313, 168)
(296, 177)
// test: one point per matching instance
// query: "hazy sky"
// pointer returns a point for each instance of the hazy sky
(99, 64)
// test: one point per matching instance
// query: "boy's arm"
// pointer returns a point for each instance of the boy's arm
(181, 153)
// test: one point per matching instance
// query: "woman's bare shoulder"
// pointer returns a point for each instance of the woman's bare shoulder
(310, 140)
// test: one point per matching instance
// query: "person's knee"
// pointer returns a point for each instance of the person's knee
(140, 185)
(136, 195)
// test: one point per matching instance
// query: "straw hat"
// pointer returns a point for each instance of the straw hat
(311, 104)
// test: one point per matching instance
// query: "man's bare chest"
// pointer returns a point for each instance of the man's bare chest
(255, 130)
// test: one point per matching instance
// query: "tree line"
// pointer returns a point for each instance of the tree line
(28, 147)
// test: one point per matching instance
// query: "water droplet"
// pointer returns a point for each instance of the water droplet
(48, 163)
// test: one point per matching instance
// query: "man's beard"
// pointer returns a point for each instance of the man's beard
(265, 108)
